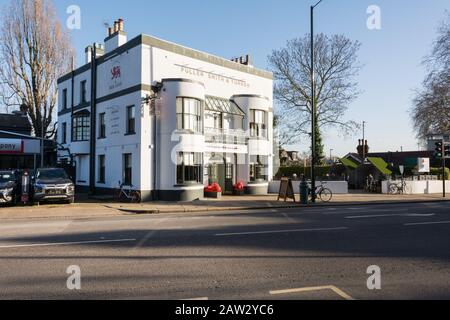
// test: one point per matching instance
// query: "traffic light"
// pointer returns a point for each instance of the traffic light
(447, 150)
(438, 151)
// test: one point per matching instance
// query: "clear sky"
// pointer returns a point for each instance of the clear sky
(227, 28)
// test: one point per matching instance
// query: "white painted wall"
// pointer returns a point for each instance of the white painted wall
(418, 187)
(337, 187)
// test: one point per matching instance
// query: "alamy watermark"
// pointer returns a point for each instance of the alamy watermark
(374, 281)
(74, 280)
(374, 19)
(73, 21)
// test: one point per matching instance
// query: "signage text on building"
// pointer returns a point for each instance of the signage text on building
(11, 146)
(213, 76)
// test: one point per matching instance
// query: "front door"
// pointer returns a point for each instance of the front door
(216, 174)
(229, 169)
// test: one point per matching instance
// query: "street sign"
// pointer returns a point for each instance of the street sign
(402, 169)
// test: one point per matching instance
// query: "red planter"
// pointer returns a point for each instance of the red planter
(213, 191)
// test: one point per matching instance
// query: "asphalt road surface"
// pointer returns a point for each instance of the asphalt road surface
(307, 253)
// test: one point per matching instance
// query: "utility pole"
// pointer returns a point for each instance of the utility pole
(313, 112)
(364, 143)
(42, 137)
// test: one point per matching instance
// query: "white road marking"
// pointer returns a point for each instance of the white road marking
(392, 215)
(335, 289)
(366, 211)
(148, 235)
(278, 231)
(287, 217)
(426, 223)
(64, 243)
(197, 299)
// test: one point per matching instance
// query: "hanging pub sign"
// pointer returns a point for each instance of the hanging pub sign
(286, 190)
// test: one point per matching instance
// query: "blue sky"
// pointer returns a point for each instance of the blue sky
(391, 56)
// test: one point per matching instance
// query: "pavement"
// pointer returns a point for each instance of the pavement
(88, 208)
(307, 253)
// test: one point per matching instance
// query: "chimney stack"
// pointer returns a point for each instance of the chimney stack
(120, 22)
(117, 36)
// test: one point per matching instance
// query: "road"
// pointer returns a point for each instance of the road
(304, 253)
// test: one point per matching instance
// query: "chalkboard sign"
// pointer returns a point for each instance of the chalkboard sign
(286, 190)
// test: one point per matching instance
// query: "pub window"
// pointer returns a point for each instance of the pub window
(258, 124)
(131, 120)
(83, 98)
(101, 169)
(101, 126)
(127, 169)
(81, 128)
(189, 115)
(257, 169)
(189, 167)
(64, 99)
(64, 133)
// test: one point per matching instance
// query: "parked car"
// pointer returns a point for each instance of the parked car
(53, 184)
(9, 188)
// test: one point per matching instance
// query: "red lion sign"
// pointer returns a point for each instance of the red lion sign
(115, 72)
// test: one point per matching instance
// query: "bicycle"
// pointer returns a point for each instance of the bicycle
(323, 193)
(399, 187)
(127, 193)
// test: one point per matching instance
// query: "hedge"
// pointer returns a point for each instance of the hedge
(438, 172)
(321, 171)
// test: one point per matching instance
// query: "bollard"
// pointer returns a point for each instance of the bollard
(304, 191)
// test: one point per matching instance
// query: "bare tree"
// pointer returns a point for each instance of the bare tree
(431, 110)
(34, 52)
(335, 68)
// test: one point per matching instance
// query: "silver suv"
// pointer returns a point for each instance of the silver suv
(53, 185)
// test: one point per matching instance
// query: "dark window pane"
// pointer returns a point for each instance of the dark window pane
(131, 120)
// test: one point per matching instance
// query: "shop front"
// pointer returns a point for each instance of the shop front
(18, 153)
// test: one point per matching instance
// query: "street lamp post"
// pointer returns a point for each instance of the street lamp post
(313, 111)
(364, 143)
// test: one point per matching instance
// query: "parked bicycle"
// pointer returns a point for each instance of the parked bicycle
(126, 193)
(399, 187)
(371, 184)
(324, 194)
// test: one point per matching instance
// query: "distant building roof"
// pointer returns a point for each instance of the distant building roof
(395, 159)
(16, 123)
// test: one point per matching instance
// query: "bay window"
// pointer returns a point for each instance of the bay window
(258, 124)
(189, 115)
(81, 126)
(189, 167)
(258, 168)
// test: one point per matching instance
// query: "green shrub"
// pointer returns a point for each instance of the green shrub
(438, 172)
(321, 171)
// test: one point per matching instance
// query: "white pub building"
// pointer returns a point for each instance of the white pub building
(165, 120)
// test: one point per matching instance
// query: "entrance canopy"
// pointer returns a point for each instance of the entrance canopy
(223, 106)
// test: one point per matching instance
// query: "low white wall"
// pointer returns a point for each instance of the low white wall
(337, 187)
(418, 187)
